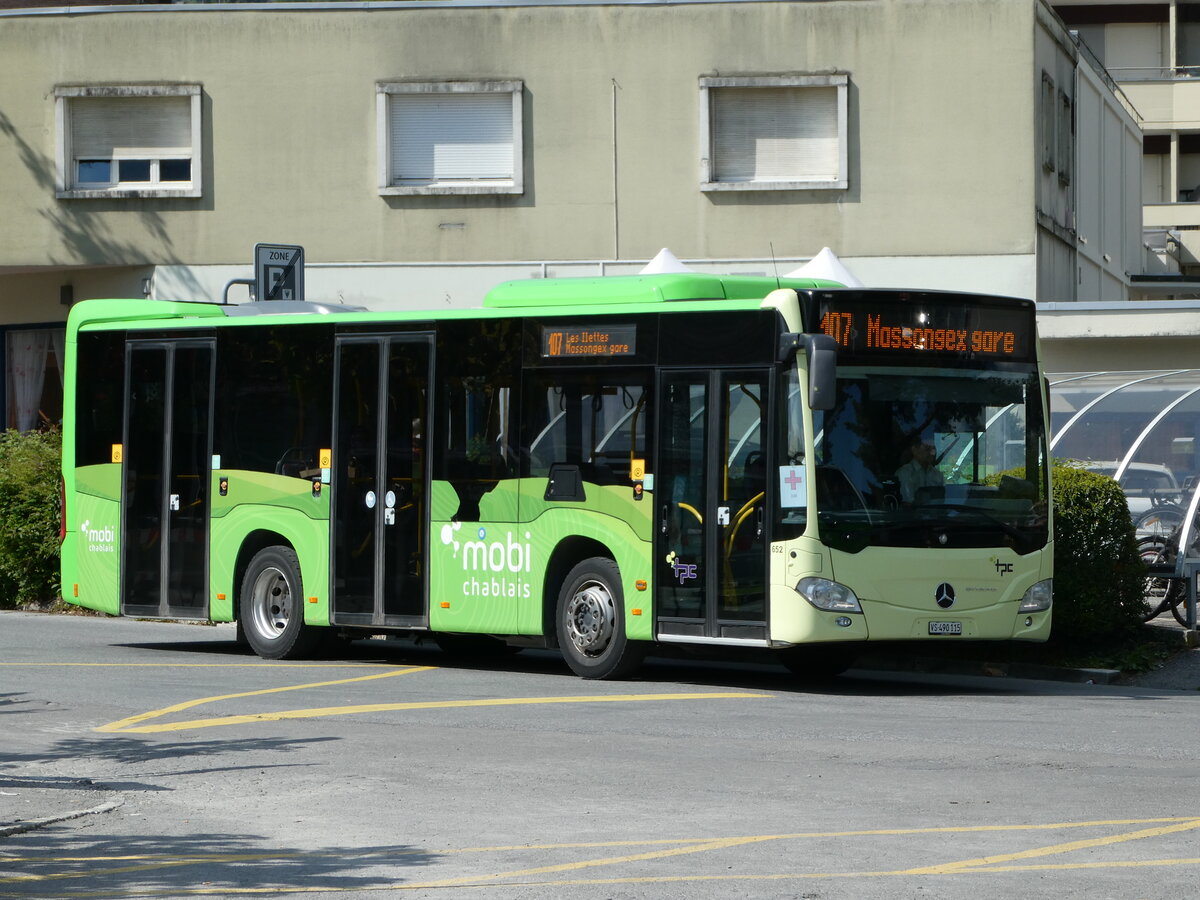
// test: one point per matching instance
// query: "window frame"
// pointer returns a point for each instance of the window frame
(66, 184)
(515, 88)
(708, 84)
(1064, 144)
(1048, 111)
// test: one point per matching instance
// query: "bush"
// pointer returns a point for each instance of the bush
(1098, 572)
(29, 517)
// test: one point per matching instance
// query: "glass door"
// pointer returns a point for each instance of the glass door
(167, 457)
(710, 497)
(380, 480)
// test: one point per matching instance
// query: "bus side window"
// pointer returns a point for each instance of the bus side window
(478, 367)
(596, 421)
(99, 396)
(276, 390)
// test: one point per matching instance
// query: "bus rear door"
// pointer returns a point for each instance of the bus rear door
(167, 458)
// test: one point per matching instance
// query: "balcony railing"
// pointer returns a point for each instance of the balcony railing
(1155, 73)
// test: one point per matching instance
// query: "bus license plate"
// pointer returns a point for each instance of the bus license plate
(945, 627)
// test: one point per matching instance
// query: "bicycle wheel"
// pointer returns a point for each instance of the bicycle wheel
(1155, 591)
(1158, 522)
(1177, 600)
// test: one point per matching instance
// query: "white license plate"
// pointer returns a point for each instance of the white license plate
(945, 627)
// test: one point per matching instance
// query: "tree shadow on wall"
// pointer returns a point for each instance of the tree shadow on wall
(85, 226)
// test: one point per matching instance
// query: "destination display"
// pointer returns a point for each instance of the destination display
(588, 341)
(919, 325)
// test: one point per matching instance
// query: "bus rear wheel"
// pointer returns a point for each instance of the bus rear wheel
(271, 606)
(591, 622)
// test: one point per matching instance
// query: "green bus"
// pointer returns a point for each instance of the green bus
(590, 464)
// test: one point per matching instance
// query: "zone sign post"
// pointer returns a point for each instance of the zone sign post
(278, 272)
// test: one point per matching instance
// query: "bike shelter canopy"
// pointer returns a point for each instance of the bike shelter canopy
(1140, 428)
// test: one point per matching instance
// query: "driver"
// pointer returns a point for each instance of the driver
(921, 471)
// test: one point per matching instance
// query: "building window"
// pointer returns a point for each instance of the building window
(784, 132)
(1065, 155)
(34, 377)
(128, 141)
(1049, 118)
(450, 137)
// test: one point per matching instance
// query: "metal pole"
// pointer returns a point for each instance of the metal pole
(249, 282)
(1193, 573)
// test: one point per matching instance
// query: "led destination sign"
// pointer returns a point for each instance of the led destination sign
(589, 341)
(960, 327)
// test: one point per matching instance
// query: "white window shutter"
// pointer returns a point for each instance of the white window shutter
(131, 127)
(775, 134)
(448, 137)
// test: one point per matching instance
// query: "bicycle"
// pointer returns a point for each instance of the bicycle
(1162, 592)
(1163, 516)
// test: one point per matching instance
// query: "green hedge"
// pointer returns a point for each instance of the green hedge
(1098, 573)
(29, 517)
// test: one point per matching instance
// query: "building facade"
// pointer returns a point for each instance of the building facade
(1152, 50)
(423, 152)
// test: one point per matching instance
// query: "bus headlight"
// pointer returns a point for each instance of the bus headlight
(1038, 598)
(828, 595)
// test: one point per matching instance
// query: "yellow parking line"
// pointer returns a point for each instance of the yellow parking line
(972, 865)
(124, 724)
(127, 726)
(673, 848)
(985, 863)
(650, 842)
(169, 665)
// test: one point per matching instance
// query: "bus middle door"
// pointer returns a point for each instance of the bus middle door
(380, 480)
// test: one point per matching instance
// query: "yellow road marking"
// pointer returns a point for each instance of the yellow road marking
(972, 865)
(166, 665)
(493, 881)
(989, 861)
(124, 724)
(129, 726)
(593, 845)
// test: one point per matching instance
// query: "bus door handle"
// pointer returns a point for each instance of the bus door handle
(759, 521)
(662, 522)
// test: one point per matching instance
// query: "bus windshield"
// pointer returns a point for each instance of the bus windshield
(933, 457)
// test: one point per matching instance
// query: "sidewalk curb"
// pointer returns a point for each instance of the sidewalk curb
(31, 824)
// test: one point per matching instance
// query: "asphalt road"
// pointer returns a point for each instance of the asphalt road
(142, 759)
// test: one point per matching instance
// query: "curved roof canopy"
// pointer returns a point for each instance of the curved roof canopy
(1141, 428)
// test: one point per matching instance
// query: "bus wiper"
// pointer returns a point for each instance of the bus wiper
(1011, 530)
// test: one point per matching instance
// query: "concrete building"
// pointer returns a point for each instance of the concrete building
(423, 152)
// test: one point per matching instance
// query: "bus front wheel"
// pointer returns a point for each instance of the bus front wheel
(591, 622)
(271, 606)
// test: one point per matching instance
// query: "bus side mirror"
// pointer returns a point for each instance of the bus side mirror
(821, 352)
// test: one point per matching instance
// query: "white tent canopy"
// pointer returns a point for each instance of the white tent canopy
(825, 265)
(665, 261)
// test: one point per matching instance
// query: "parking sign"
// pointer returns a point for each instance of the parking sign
(278, 272)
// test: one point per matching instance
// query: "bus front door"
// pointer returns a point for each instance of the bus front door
(380, 480)
(166, 460)
(710, 497)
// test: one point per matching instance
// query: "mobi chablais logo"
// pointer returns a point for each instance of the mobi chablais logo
(496, 567)
(99, 540)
